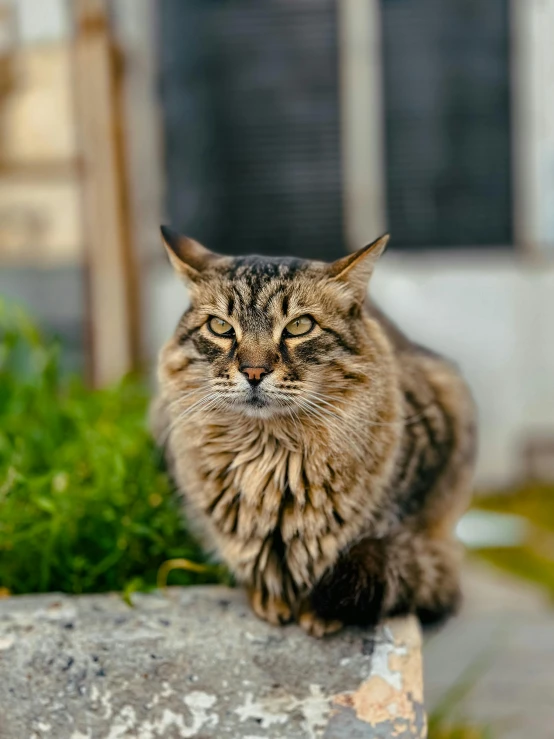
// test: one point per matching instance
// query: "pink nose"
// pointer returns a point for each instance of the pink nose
(254, 374)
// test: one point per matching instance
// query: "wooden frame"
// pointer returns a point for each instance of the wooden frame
(363, 148)
(112, 289)
(532, 53)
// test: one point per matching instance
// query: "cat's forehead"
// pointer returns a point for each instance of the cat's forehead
(262, 270)
(264, 284)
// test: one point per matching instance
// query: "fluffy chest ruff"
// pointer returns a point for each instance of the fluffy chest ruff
(276, 510)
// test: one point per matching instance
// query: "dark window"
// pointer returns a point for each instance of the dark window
(251, 117)
(447, 104)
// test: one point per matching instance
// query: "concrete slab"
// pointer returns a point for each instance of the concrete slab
(195, 662)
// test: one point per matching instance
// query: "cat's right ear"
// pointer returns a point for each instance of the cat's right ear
(356, 269)
(187, 256)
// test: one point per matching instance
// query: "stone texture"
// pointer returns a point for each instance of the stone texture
(196, 663)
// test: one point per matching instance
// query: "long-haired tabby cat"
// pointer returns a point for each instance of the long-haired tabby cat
(322, 455)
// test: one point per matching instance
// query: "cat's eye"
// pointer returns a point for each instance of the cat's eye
(299, 326)
(220, 327)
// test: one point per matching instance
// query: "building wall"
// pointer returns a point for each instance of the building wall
(40, 207)
(492, 315)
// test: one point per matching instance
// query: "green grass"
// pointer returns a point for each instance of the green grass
(524, 562)
(458, 731)
(445, 721)
(85, 504)
(534, 501)
(533, 560)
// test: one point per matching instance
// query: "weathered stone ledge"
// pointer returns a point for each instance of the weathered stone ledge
(195, 662)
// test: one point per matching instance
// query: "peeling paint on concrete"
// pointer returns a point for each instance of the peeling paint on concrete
(391, 700)
(199, 704)
(123, 723)
(344, 724)
(265, 712)
(380, 663)
(277, 709)
(6, 642)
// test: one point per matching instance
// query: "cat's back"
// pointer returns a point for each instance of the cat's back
(424, 373)
(439, 436)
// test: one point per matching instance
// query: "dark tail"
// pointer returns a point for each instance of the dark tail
(406, 573)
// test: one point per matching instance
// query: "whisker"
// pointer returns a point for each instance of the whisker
(315, 411)
(323, 410)
(351, 425)
(194, 408)
(401, 421)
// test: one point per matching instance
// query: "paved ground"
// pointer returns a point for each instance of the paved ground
(505, 636)
(197, 663)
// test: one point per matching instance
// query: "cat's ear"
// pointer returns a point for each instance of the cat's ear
(356, 269)
(186, 255)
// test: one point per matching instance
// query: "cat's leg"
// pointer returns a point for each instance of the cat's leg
(277, 612)
(269, 608)
(353, 590)
(313, 624)
(409, 572)
(423, 577)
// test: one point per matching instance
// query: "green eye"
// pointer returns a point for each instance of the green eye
(299, 326)
(220, 327)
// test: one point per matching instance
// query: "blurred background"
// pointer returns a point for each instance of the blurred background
(303, 127)
(307, 128)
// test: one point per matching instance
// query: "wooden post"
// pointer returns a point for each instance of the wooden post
(362, 117)
(533, 124)
(111, 276)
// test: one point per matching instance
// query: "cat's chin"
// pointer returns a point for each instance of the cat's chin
(257, 404)
(262, 413)
(260, 407)
(259, 410)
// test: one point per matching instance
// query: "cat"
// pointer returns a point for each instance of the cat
(322, 455)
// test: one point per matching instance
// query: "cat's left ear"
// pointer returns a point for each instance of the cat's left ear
(356, 269)
(187, 256)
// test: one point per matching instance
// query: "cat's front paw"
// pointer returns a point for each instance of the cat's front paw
(273, 610)
(316, 626)
(353, 590)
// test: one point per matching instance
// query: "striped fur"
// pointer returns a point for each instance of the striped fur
(330, 490)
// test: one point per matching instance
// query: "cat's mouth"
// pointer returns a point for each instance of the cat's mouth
(257, 401)
(259, 404)
(257, 398)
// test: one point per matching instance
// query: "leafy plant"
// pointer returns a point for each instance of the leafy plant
(85, 504)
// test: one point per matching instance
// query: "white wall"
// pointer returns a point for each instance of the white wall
(493, 315)
(40, 21)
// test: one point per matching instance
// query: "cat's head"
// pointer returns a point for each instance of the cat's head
(266, 336)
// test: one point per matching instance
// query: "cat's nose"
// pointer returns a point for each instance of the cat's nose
(255, 375)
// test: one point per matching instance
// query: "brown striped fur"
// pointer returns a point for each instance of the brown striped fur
(331, 489)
